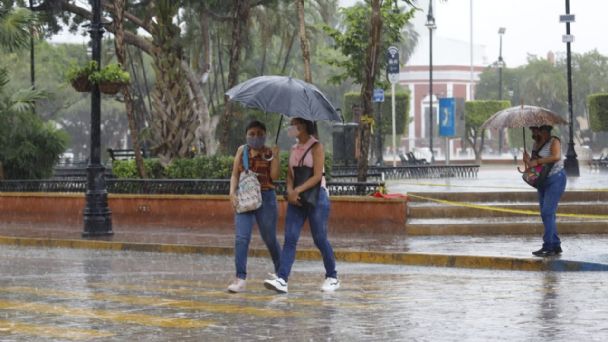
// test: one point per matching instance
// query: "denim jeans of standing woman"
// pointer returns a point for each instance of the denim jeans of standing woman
(549, 195)
(317, 218)
(266, 218)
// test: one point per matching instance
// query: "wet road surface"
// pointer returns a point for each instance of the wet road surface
(82, 295)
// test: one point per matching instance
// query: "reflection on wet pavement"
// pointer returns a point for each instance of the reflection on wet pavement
(62, 295)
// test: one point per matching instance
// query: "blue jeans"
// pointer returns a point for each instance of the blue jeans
(266, 218)
(317, 218)
(548, 198)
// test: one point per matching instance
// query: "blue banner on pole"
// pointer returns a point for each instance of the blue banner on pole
(378, 95)
(447, 110)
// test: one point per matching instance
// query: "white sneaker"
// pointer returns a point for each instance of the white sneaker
(273, 276)
(238, 285)
(330, 285)
(277, 284)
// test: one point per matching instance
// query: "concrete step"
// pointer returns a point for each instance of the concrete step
(507, 196)
(502, 226)
(427, 210)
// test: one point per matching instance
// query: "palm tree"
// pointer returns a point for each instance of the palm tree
(15, 25)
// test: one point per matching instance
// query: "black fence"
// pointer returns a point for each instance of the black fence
(417, 171)
(169, 186)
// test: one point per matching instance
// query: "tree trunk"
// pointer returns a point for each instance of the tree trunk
(119, 46)
(175, 122)
(239, 23)
(304, 46)
(369, 77)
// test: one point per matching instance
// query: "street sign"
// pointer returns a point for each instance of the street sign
(392, 64)
(566, 18)
(567, 38)
(378, 95)
(447, 110)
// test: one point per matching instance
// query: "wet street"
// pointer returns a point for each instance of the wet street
(71, 294)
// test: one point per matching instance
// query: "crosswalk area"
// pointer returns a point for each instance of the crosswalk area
(166, 306)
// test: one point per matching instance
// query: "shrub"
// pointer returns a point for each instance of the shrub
(112, 73)
(598, 112)
(75, 71)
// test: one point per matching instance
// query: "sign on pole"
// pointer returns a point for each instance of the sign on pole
(392, 64)
(378, 95)
(392, 71)
(447, 110)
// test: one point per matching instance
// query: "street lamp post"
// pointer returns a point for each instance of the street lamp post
(500, 65)
(430, 23)
(571, 163)
(97, 215)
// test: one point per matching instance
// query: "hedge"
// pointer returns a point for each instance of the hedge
(598, 111)
(204, 167)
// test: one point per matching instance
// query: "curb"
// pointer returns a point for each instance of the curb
(371, 257)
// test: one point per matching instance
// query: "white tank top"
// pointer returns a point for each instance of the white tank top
(545, 151)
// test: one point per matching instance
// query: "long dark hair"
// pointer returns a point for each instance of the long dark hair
(310, 126)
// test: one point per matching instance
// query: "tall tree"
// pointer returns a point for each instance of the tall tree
(121, 56)
(240, 20)
(370, 28)
(304, 44)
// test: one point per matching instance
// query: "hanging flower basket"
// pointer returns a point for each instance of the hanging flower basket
(110, 88)
(82, 83)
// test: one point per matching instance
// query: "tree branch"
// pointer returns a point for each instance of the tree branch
(130, 37)
(109, 6)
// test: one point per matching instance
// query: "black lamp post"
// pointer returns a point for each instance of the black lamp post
(97, 215)
(571, 163)
(500, 65)
(430, 23)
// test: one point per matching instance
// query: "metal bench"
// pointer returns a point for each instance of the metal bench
(125, 154)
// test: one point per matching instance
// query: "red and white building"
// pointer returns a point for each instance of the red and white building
(454, 75)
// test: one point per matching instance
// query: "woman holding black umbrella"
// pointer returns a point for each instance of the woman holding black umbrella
(308, 200)
(547, 151)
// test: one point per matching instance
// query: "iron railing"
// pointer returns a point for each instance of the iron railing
(169, 186)
(415, 171)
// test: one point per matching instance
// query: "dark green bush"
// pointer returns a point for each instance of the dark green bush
(214, 167)
(598, 112)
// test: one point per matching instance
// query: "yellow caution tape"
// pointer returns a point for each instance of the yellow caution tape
(489, 186)
(504, 210)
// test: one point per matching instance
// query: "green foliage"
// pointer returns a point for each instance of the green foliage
(213, 167)
(15, 24)
(477, 112)
(598, 111)
(402, 101)
(75, 71)
(128, 169)
(111, 73)
(353, 40)
(29, 148)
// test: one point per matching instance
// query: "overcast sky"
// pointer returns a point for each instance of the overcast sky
(532, 26)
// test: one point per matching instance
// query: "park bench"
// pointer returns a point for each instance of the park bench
(125, 154)
(599, 164)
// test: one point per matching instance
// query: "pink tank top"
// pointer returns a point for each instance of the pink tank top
(298, 150)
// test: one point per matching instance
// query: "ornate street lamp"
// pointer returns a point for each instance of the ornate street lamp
(430, 23)
(500, 64)
(571, 163)
(97, 215)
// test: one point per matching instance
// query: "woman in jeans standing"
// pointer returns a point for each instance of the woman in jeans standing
(310, 151)
(265, 162)
(547, 149)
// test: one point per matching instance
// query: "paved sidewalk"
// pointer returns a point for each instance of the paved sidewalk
(581, 252)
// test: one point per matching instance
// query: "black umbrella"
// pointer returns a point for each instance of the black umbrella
(285, 95)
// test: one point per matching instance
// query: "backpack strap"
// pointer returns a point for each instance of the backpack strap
(246, 157)
(305, 153)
